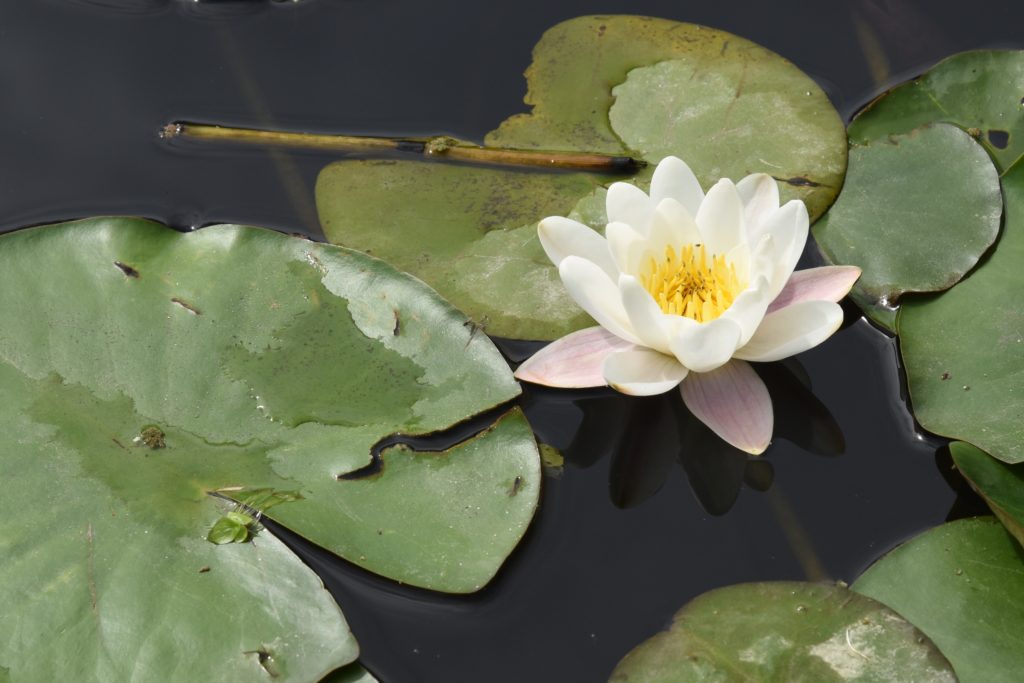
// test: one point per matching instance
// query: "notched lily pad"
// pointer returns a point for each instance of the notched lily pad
(655, 87)
(916, 214)
(979, 91)
(107, 571)
(964, 349)
(962, 584)
(726, 106)
(1001, 485)
(785, 631)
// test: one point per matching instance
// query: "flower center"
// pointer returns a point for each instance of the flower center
(691, 283)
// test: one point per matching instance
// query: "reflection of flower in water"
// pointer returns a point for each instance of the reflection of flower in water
(687, 288)
(645, 437)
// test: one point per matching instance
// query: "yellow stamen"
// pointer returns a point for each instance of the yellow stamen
(689, 283)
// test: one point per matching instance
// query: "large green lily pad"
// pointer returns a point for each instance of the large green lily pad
(1001, 485)
(142, 368)
(979, 91)
(725, 105)
(916, 213)
(962, 584)
(655, 87)
(964, 349)
(785, 631)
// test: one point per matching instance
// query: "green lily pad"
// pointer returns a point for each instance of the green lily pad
(979, 91)
(142, 369)
(725, 105)
(916, 213)
(1001, 485)
(785, 631)
(471, 233)
(964, 349)
(655, 87)
(351, 673)
(962, 584)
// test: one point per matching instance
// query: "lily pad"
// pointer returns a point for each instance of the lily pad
(964, 349)
(725, 105)
(979, 91)
(471, 233)
(265, 362)
(655, 87)
(785, 631)
(962, 584)
(916, 213)
(1001, 485)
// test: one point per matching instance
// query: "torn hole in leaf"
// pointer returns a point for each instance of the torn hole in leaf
(440, 441)
(1000, 139)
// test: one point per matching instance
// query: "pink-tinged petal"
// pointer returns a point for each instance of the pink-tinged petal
(562, 237)
(626, 246)
(702, 347)
(642, 372)
(760, 196)
(626, 203)
(596, 294)
(720, 218)
(674, 179)
(573, 362)
(646, 317)
(827, 283)
(734, 403)
(792, 330)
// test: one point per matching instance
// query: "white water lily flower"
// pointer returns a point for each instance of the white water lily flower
(687, 287)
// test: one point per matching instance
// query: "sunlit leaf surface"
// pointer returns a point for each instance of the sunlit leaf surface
(785, 631)
(963, 585)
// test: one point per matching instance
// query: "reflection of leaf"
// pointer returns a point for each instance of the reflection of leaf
(963, 349)
(785, 631)
(268, 362)
(916, 213)
(962, 584)
(728, 107)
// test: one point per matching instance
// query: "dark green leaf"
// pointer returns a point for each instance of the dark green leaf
(962, 584)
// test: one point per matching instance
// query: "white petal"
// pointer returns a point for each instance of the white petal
(563, 237)
(702, 347)
(648, 321)
(573, 362)
(642, 372)
(827, 283)
(749, 308)
(760, 196)
(788, 227)
(792, 330)
(734, 403)
(626, 246)
(720, 218)
(674, 179)
(629, 204)
(597, 295)
(671, 226)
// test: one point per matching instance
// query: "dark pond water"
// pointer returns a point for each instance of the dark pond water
(647, 514)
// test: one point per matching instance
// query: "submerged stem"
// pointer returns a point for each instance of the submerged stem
(441, 147)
